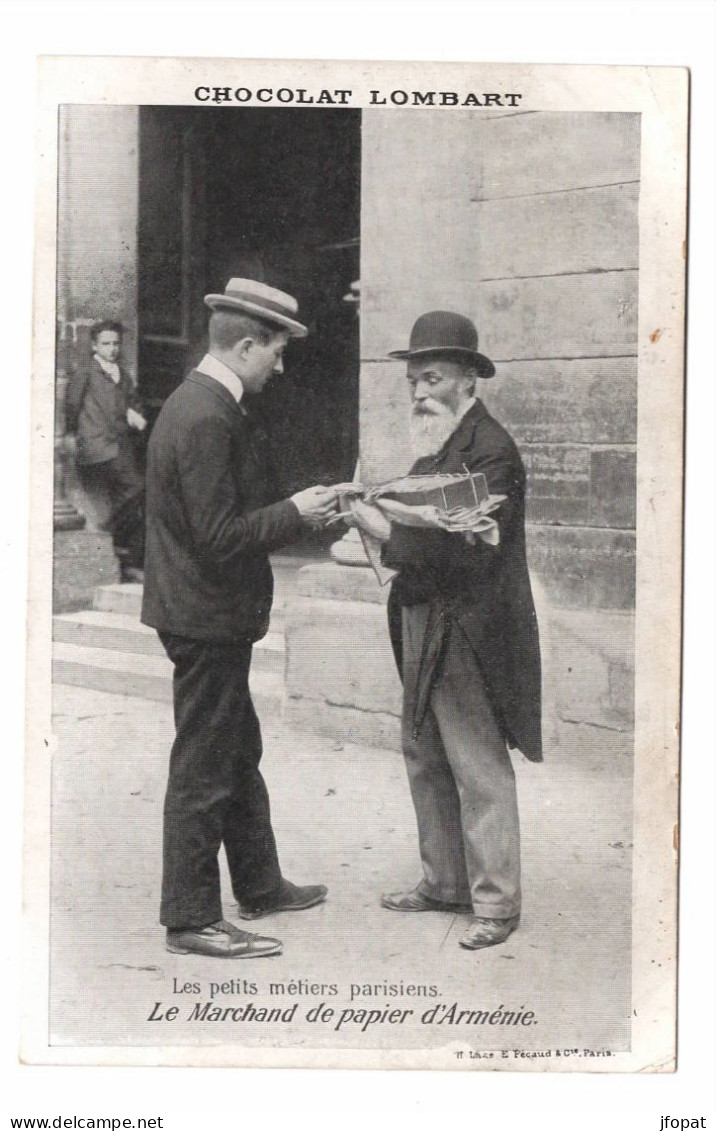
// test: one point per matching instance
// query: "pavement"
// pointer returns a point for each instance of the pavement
(342, 816)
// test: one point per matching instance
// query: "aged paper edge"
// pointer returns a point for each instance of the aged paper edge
(660, 95)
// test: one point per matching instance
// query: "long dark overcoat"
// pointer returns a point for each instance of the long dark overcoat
(212, 518)
(486, 589)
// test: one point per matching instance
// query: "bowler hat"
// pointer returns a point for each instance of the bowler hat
(259, 301)
(442, 331)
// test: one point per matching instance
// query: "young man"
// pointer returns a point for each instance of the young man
(465, 633)
(212, 518)
(103, 409)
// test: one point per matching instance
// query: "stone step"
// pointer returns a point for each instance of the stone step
(127, 598)
(117, 598)
(124, 633)
(92, 628)
(143, 676)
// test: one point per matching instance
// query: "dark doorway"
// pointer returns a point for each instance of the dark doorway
(274, 195)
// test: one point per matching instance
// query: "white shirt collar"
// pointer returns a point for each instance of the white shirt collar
(111, 368)
(212, 367)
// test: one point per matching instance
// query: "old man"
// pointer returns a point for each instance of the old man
(465, 633)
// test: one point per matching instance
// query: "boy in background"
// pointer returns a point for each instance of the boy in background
(103, 409)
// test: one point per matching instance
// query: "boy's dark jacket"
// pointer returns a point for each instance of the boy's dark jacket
(485, 589)
(96, 409)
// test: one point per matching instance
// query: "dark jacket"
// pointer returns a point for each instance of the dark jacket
(96, 409)
(211, 518)
(485, 589)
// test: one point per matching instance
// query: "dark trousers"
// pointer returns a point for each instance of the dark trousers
(122, 480)
(215, 793)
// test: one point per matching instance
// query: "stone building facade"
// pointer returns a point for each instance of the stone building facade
(527, 222)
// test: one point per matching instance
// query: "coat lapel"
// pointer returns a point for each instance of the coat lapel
(215, 387)
(243, 423)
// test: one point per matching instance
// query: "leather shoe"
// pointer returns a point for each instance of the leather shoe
(222, 940)
(488, 932)
(289, 897)
(416, 901)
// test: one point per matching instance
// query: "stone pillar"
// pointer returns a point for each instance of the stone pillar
(65, 516)
(98, 201)
(349, 549)
(98, 193)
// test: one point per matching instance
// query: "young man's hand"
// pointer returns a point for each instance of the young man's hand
(315, 504)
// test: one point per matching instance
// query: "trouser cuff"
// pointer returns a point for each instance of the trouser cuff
(495, 911)
(444, 894)
(180, 919)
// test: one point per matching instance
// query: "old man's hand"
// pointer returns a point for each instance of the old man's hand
(371, 519)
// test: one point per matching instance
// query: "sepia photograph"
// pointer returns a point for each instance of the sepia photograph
(359, 505)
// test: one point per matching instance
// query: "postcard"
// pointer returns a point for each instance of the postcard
(256, 283)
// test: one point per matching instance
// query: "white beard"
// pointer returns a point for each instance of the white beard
(429, 431)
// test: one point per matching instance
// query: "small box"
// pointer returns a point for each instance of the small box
(442, 491)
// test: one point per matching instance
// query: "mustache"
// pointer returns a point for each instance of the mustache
(423, 408)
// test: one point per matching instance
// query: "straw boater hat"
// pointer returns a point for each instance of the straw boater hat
(260, 301)
(441, 331)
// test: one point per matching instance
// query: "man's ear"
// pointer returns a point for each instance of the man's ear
(243, 348)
